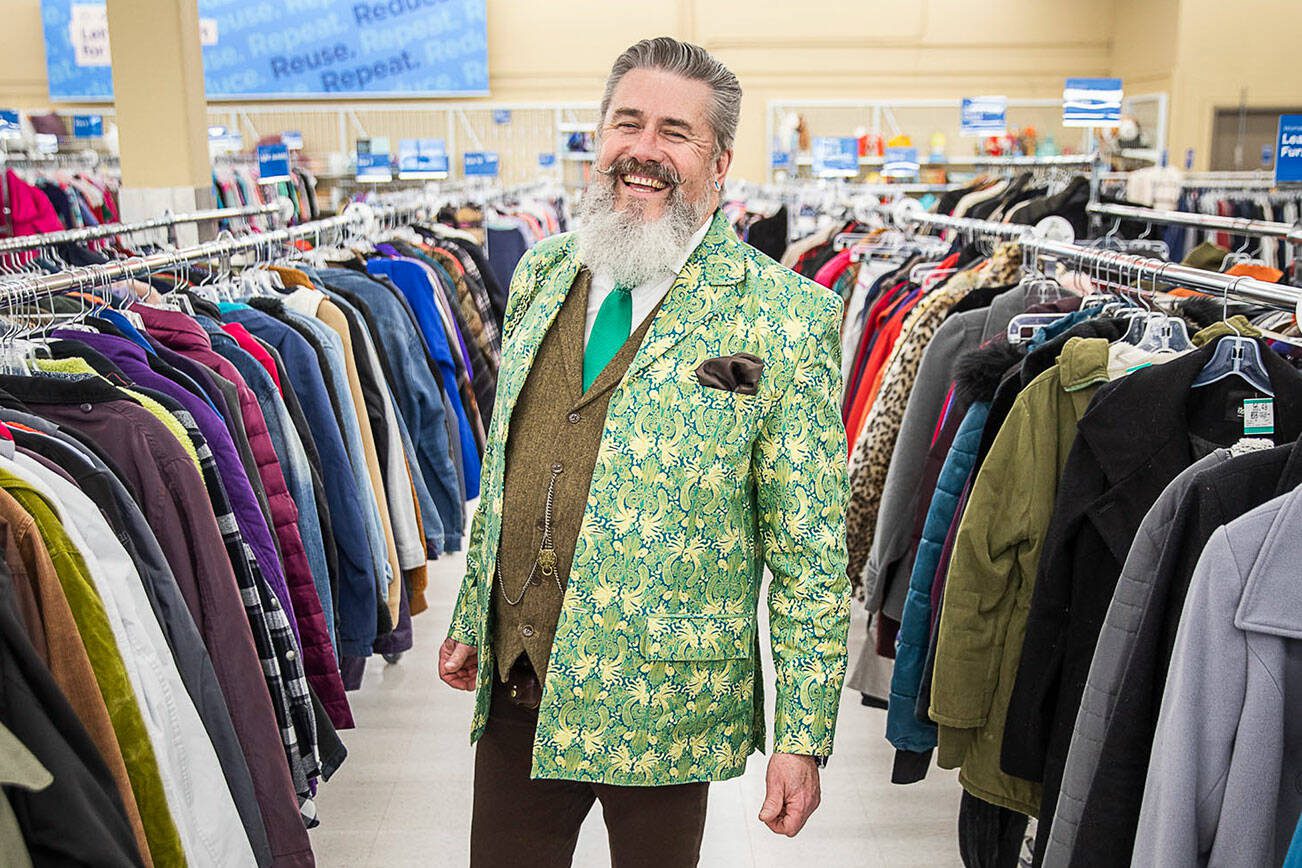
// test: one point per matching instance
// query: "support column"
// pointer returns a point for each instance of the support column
(162, 112)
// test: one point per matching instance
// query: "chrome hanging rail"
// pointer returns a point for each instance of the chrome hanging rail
(107, 230)
(908, 214)
(1235, 225)
(362, 218)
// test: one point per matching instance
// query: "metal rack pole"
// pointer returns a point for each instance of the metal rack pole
(1136, 267)
(106, 230)
(26, 288)
(1236, 225)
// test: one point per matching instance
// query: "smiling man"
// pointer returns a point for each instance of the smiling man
(668, 423)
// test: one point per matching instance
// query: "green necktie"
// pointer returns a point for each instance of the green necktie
(611, 328)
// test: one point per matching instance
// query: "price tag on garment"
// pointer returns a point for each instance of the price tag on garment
(900, 163)
(1288, 150)
(273, 164)
(422, 158)
(1091, 102)
(292, 139)
(501, 116)
(836, 157)
(479, 164)
(87, 126)
(1258, 416)
(983, 116)
(547, 160)
(10, 126)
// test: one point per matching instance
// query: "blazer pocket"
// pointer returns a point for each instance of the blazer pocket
(698, 637)
(739, 373)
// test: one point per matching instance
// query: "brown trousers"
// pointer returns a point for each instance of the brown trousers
(520, 821)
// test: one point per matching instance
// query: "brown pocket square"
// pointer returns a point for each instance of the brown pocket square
(739, 373)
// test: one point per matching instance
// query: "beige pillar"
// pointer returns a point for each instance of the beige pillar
(162, 113)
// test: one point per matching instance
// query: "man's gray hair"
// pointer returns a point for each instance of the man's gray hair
(692, 62)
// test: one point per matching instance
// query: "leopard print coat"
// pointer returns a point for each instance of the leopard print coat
(871, 457)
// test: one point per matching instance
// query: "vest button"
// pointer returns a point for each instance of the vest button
(526, 630)
(574, 418)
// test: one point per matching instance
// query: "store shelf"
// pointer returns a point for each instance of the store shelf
(579, 156)
(577, 127)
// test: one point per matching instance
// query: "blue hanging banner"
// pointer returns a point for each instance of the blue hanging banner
(273, 164)
(422, 158)
(87, 126)
(1091, 102)
(479, 164)
(781, 160)
(10, 126)
(293, 50)
(836, 157)
(373, 161)
(547, 160)
(292, 139)
(901, 163)
(983, 116)
(1288, 150)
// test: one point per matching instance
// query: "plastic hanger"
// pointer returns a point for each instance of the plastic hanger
(1235, 355)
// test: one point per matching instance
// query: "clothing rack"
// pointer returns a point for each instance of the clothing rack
(23, 288)
(1095, 259)
(106, 230)
(1255, 228)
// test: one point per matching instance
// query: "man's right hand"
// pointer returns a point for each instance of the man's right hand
(458, 664)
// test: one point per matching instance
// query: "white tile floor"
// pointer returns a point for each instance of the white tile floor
(403, 796)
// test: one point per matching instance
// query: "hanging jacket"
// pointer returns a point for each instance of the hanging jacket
(903, 729)
(993, 569)
(188, 337)
(1119, 708)
(1142, 423)
(1222, 784)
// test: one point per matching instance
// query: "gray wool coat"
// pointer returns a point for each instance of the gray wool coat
(1131, 599)
(1225, 780)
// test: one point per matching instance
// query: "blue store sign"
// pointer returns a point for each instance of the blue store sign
(983, 116)
(480, 164)
(901, 163)
(303, 48)
(1288, 150)
(836, 157)
(273, 163)
(87, 126)
(1091, 102)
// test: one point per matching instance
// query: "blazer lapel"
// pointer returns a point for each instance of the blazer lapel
(702, 288)
(520, 352)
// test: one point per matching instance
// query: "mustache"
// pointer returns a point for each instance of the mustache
(655, 171)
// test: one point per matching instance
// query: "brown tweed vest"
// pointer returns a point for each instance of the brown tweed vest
(554, 436)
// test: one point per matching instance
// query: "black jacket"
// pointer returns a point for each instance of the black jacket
(1139, 433)
(78, 819)
(1217, 496)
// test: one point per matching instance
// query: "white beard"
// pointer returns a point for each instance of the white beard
(623, 245)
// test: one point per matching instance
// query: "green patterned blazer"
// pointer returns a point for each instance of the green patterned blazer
(654, 676)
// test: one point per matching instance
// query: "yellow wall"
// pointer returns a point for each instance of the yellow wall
(812, 49)
(23, 82)
(1201, 51)
(1224, 48)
